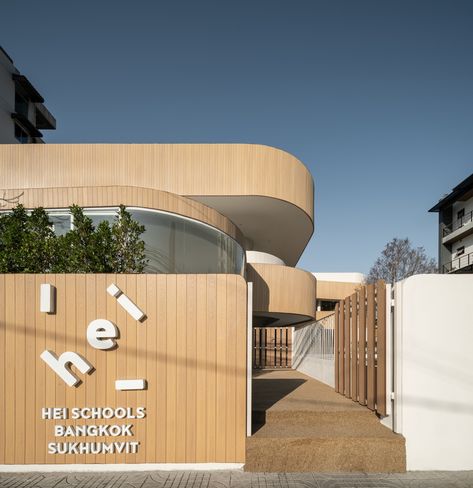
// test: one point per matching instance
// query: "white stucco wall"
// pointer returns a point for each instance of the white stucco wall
(258, 257)
(433, 406)
(341, 277)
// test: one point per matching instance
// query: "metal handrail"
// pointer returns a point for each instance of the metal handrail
(464, 219)
(461, 261)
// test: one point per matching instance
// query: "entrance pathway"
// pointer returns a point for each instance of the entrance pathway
(300, 424)
(237, 479)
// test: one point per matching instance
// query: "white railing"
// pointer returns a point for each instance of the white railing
(313, 346)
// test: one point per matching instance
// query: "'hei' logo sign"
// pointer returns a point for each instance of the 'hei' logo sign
(101, 334)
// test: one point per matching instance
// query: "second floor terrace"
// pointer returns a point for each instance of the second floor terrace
(459, 228)
(462, 263)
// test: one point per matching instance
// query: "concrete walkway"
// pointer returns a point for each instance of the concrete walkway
(237, 479)
(300, 424)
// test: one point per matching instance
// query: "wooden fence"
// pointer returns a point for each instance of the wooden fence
(190, 349)
(360, 347)
(272, 347)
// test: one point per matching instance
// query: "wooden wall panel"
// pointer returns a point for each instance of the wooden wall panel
(282, 289)
(360, 346)
(184, 169)
(191, 349)
(370, 362)
(112, 196)
(335, 290)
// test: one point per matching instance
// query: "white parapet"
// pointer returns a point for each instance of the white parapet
(258, 257)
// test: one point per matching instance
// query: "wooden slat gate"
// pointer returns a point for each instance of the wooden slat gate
(272, 347)
(360, 347)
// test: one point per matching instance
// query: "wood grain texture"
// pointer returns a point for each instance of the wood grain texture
(191, 348)
(335, 290)
(370, 361)
(346, 335)
(360, 346)
(282, 289)
(381, 348)
(184, 169)
(112, 196)
(336, 347)
(362, 371)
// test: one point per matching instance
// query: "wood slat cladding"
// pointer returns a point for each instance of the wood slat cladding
(335, 290)
(272, 347)
(360, 347)
(282, 289)
(184, 169)
(191, 349)
(107, 196)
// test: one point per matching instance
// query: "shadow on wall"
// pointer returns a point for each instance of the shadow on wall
(260, 289)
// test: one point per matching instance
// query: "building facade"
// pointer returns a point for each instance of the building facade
(177, 373)
(333, 287)
(22, 112)
(455, 238)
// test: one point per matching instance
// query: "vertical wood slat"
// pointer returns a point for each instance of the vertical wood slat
(362, 346)
(145, 350)
(346, 334)
(381, 348)
(370, 324)
(272, 347)
(341, 346)
(354, 348)
(336, 347)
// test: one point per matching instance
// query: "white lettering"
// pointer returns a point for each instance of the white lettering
(93, 447)
(101, 334)
(61, 365)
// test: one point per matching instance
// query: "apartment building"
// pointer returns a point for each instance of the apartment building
(455, 238)
(218, 217)
(23, 114)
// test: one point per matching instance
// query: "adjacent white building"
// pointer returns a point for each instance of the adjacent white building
(22, 112)
(456, 229)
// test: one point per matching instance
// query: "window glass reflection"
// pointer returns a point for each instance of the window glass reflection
(178, 245)
(173, 244)
(61, 222)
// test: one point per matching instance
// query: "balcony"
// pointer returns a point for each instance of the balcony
(281, 295)
(461, 264)
(458, 229)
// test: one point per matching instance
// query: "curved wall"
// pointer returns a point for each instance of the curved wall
(260, 188)
(255, 257)
(112, 196)
(282, 290)
(174, 244)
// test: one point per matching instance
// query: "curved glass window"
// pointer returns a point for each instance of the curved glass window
(173, 244)
(176, 244)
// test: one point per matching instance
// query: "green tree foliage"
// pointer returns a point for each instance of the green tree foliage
(27, 242)
(29, 245)
(128, 248)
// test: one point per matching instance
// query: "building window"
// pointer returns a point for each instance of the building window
(460, 214)
(460, 251)
(173, 244)
(21, 105)
(326, 305)
(62, 222)
(21, 135)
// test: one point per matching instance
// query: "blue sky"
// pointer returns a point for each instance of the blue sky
(375, 97)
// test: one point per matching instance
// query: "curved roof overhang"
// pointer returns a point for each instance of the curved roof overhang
(265, 191)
